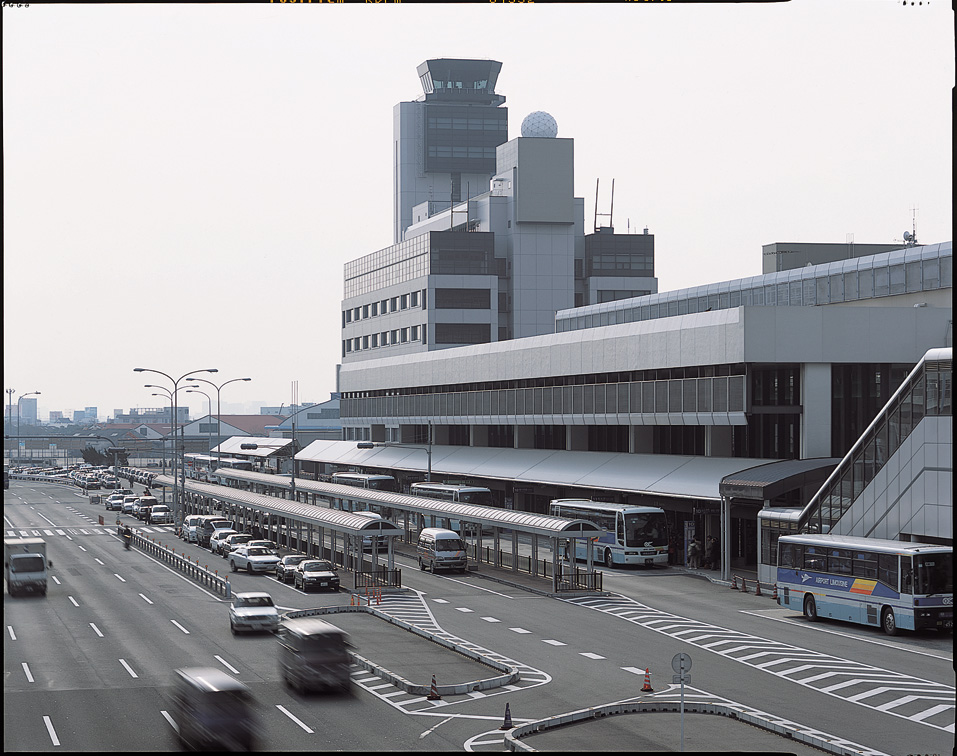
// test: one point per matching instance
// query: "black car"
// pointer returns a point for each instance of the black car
(286, 569)
(316, 573)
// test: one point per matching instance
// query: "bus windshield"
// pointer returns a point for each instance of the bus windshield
(382, 484)
(645, 529)
(479, 498)
(935, 573)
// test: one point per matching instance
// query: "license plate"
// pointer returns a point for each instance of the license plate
(322, 584)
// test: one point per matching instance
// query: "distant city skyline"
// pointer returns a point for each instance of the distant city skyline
(194, 177)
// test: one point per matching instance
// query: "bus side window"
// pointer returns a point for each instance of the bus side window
(887, 569)
(907, 575)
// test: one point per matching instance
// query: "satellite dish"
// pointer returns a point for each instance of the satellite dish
(907, 236)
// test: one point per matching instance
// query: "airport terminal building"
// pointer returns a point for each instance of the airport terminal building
(546, 364)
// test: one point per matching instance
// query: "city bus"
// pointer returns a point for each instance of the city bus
(452, 492)
(633, 534)
(895, 585)
(365, 480)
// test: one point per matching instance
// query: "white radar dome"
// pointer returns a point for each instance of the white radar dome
(540, 124)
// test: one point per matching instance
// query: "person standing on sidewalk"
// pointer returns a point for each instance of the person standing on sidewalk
(694, 554)
(712, 554)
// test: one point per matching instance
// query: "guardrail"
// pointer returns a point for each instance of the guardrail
(381, 578)
(192, 569)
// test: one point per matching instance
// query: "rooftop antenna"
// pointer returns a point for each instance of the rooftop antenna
(910, 237)
(609, 214)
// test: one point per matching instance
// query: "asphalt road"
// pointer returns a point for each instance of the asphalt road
(89, 667)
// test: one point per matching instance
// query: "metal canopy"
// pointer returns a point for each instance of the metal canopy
(268, 446)
(766, 482)
(338, 520)
(526, 522)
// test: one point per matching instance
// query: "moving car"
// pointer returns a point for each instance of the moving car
(161, 514)
(114, 502)
(286, 567)
(252, 559)
(253, 611)
(314, 654)
(441, 549)
(316, 573)
(212, 711)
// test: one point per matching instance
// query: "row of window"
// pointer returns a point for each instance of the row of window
(384, 339)
(863, 564)
(828, 287)
(385, 306)
(449, 151)
(472, 124)
(719, 394)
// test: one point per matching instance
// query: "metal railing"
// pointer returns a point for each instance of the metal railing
(191, 569)
(381, 578)
(579, 580)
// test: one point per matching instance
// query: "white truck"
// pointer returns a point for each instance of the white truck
(25, 565)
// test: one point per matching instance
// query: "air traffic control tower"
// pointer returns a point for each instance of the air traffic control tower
(444, 142)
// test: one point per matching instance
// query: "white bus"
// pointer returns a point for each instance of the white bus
(365, 480)
(894, 585)
(633, 534)
(476, 495)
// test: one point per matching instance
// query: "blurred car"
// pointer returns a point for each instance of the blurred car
(114, 502)
(212, 711)
(314, 654)
(128, 502)
(270, 546)
(230, 542)
(316, 573)
(253, 611)
(252, 559)
(286, 567)
(124, 491)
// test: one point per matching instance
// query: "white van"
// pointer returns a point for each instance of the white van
(440, 549)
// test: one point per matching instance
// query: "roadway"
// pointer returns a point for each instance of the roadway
(115, 624)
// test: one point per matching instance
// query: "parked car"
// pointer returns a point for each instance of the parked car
(286, 567)
(316, 573)
(230, 542)
(218, 535)
(253, 611)
(161, 514)
(128, 502)
(124, 491)
(270, 546)
(252, 559)
(114, 502)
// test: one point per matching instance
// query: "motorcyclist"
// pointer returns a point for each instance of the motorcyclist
(127, 537)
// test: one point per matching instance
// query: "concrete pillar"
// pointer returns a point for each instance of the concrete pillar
(641, 439)
(524, 437)
(478, 435)
(718, 441)
(816, 404)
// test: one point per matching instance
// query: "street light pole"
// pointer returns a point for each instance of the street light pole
(209, 406)
(18, 419)
(219, 430)
(177, 501)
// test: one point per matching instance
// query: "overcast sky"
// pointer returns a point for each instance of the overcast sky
(183, 183)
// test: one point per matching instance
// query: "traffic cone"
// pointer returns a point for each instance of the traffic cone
(775, 596)
(757, 587)
(507, 724)
(744, 585)
(646, 688)
(734, 582)
(434, 692)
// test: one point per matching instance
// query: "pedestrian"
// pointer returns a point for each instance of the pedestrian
(694, 551)
(711, 554)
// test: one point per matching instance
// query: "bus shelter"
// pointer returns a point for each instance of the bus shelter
(474, 523)
(338, 535)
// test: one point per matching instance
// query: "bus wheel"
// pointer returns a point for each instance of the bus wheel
(888, 621)
(608, 560)
(810, 609)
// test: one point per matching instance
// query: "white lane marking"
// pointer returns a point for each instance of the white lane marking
(895, 646)
(478, 587)
(55, 580)
(119, 578)
(80, 547)
(440, 601)
(73, 601)
(180, 626)
(26, 671)
(294, 719)
(169, 719)
(589, 655)
(13, 635)
(226, 664)
(634, 670)
(47, 519)
(520, 630)
(554, 643)
(96, 630)
(145, 599)
(128, 668)
(49, 723)
(98, 560)
(431, 729)
(491, 619)
(462, 609)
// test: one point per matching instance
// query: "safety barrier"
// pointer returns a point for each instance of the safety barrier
(383, 578)
(579, 580)
(193, 570)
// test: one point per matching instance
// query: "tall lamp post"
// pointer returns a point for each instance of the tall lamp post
(18, 418)
(209, 411)
(171, 410)
(177, 502)
(170, 395)
(427, 449)
(219, 434)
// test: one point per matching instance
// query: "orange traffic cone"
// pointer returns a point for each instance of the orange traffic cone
(744, 585)
(434, 692)
(734, 582)
(775, 596)
(646, 688)
(757, 587)
(507, 724)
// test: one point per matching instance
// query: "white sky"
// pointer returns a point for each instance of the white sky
(183, 183)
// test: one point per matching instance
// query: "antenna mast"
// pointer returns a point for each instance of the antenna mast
(610, 214)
